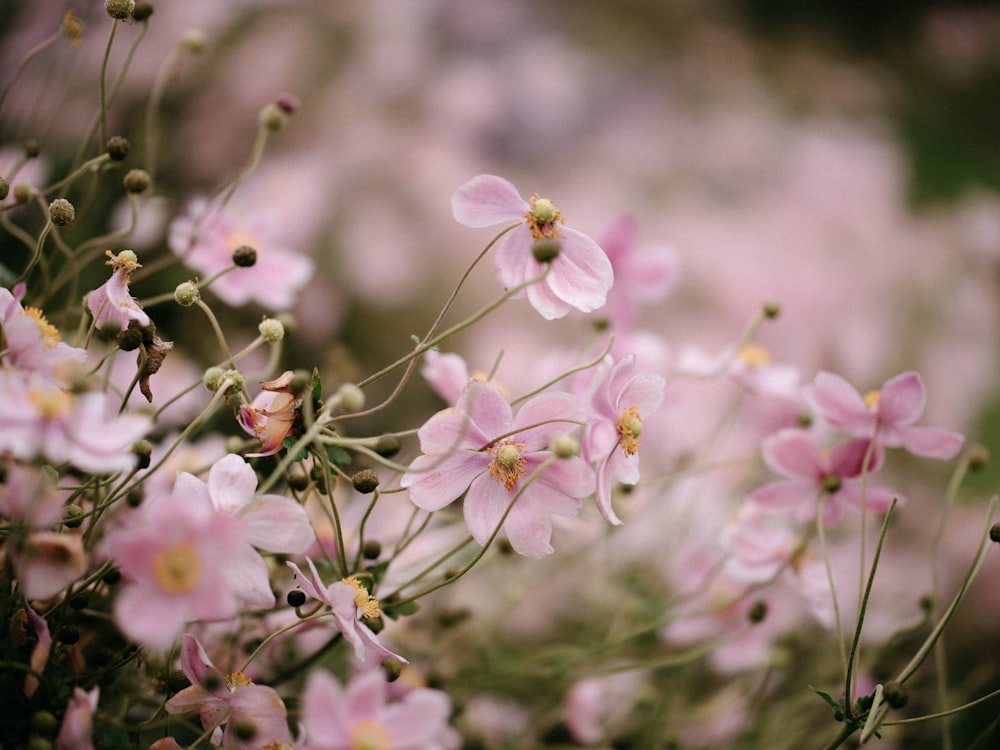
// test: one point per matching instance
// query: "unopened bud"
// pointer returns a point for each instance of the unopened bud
(995, 533)
(387, 446)
(771, 308)
(186, 294)
(351, 397)
(194, 40)
(757, 612)
(143, 449)
(565, 446)
(32, 148)
(4, 188)
(895, 694)
(392, 668)
(212, 378)
(131, 338)
(273, 117)
(72, 516)
(23, 192)
(44, 723)
(142, 11)
(244, 256)
(295, 598)
(119, 9)
(137, 180)
(546, 249)
(117, 147)
(271, 330)
(371, 549)
(365, 481)
(61, 212)
(979, 456)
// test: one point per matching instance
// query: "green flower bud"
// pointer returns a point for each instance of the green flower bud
(273, 117)
(271, 330)
(546, 249)
(365, 481)
(4, 188)
(142, 11)
(771, 309)
(73, 516)
(44, 723)
(372, 549)
(212, 378)
(565, 446)
(32, 148)
(117, 147)
(392, 668)
(186, 294)
(137, 180)
(119, 9)
(144, 450)
(351, 397)
(23, 192)
(61, 212)
(895, 694)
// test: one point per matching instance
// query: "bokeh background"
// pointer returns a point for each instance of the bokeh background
(841, 158)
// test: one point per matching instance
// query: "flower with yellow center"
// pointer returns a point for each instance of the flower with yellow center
(237, 680)
(629, 427)
(754, 355)
(871, 400)
(368, 734)
(366, 603)
(177, 568)
(543, 217)
(507, 466)
(49, 333)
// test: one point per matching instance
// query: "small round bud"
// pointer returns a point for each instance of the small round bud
(44, 723)
(387, 446)
(244, 256)
(117, 147)
(372, 549)
(543, 210)
(61, 212)
(271, 330)
(236, 382)
(80, 601)
(68, 635)
(392, 668)
(37, 742)
(137, 180)
(32, 148)
(134, 497)
(300, 382)
(979, 456)
(119, 9)
(288, 103)
(4, 188)
(194, 40)
(771, 309)
(142, 11)
(804, 419)
(757, 612)
(351, 397)
(297, 481)
(143, 449)
(895, 694)
(186, 294)
(273, 117)
(365, 481)
(130, 339)
(212, 378)
(73, 516)
(565, 446)
(23, 192)
(995, 533)
(546, 249)
(113, 577)
(295, 598)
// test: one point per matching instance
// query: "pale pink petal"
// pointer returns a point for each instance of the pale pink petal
(487, 407)
(276, 523)
(513, 263)
(932, 442)
(155, 621)
(484, 506)
(437, 480)
(546, 301)
(366, 694)
(876, 498)
(793, 453)
(547, 416)
(450, 430)
(529, 529)
(231, 483)
(416, 721)
(198, 668)
(581, 274)
(837, 402)
(901, 400)
(262, 707)
(486, 200)
(248, 576)
(324, 711)
(848, 459)
(785, 495)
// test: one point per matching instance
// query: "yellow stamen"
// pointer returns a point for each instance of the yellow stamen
(177, 568)
(754, 355)
(629, 426)
(366, 603)
(543, 217)
(871, 400)
(50, 403)
(50, 334)
(237, 680)
(508, 464)
(368, 734)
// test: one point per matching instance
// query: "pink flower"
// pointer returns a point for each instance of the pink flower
(272, 414)
(40, 419)
(77, 727)
(362, 715)
(111, 303)
(595, 706)
(760, 545)
(580, 275)
(182, 562)
(814, 475)
(349, 602)
(273, 523)
(619, 400)
(481, 449)
(206, 237)
(30, 342)
(886, 415)
(232, 700)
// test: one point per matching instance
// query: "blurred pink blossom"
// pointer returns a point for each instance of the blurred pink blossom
(111, 302)
(76, 732)
(30, 342)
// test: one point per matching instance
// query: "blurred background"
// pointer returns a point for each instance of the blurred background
(838, 156)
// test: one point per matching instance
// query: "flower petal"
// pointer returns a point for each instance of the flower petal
(581, 274)
(435, 481)
(486, 200)
(932, 442)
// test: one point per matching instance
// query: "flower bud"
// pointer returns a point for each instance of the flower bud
(365, 481)
(4, 188)
(757, 612)
(131, 338)
(23, 192)
(143, 449)
(351, 397)
(44, 723)
(32, 148)
(979, 456)
(295, 598)
(565, 446)
(995, 533)
(142, 11)
(194, 41)
(273, 117)
(244, 256)
(212, 378)
(68, 635)
(61, 212)
(119, 9)
(186, 294)
(894, 694)
(117, 147)
(546, 249)
(236, 382)
(387, 446)
(137, 180)
(271, 330)
(371, 549)
(392, 668)
(771, 308)
(72, 516)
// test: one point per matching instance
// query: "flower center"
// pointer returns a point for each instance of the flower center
(754, 355)
(629, 426)
(49, 333)
(177, 568)
(237, 680)
(831, 483)
(542, 218)
(368, 734)
(871, 400)
(51, 403)
(366, 603)
(126, 260)
(508, 464)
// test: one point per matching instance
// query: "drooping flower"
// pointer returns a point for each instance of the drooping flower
(580, 275)
(350, 603)
(362, 715)
(230, 701)
(816, 478)
(886, 415)
(76, 732)
(273, 523)
(620, 398)
(481, 449)
(271, 415)
(30, 342)
(111, 303)
(182, 561)
(206, 237)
